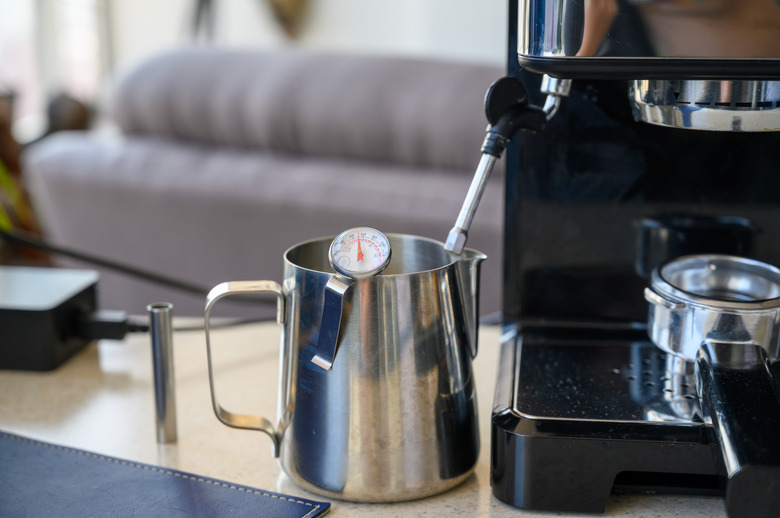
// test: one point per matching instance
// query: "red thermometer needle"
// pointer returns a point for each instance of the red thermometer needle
(360, 250)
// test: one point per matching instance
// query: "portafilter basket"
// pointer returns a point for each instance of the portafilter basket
(699, 298)
(723, 313)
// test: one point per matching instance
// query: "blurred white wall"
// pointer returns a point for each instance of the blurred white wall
(465, 30)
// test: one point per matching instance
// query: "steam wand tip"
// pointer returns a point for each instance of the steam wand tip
(456, 240)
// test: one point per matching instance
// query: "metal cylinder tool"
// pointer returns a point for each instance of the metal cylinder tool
(161, 333)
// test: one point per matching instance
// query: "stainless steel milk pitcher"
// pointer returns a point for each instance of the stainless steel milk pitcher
(395, 418)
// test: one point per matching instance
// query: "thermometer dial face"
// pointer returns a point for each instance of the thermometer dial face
(360, 252)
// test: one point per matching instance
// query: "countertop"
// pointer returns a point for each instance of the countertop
(102, 400)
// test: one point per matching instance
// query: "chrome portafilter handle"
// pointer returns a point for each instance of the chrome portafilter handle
(723, 313)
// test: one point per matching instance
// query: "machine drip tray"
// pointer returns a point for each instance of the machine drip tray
(575, 420)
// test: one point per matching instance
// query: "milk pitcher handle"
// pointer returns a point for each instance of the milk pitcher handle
(249, 422)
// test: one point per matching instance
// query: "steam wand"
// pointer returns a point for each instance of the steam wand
(507, 110)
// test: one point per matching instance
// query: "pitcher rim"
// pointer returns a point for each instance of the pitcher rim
(472, 253)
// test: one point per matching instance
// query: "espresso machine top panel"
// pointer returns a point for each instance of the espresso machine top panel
(650, 39)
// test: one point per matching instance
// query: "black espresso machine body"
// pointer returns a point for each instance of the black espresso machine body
(596, 201)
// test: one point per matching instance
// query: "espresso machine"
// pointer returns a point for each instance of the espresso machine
(642, 240)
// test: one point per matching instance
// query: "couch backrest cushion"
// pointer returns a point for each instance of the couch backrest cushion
(379, 108)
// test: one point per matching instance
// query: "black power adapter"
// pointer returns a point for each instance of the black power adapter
(42, 315)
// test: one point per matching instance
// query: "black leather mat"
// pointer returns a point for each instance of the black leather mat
(42, 479)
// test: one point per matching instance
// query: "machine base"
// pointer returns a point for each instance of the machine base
(575, 420)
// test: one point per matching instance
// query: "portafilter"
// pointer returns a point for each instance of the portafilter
(723, 313)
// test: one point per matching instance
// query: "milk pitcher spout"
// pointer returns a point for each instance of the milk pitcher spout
(467, 271)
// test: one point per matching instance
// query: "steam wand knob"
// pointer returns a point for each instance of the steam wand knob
(507, 110)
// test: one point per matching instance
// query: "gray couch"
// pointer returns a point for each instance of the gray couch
(224, 159)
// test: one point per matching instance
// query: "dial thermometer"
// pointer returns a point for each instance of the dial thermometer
(360, 252)
(357, 253)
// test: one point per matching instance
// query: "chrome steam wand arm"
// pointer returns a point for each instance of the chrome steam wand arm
(507, 110)
(456, 239)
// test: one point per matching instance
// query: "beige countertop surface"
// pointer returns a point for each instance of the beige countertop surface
(102, 400)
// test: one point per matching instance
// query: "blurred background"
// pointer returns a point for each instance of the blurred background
(99, 140)
(51, 48)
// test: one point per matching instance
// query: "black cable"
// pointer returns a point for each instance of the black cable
(115, 325)
(137, 324)
(228, 323)
(107, 324)
(18, 238)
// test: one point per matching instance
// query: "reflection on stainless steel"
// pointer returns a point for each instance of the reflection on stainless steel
(744, 29)
(678, 397)
(701, 42)
(161, 331)
(708, 105)
(555, 90)
(395, 418)
(700, 298)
